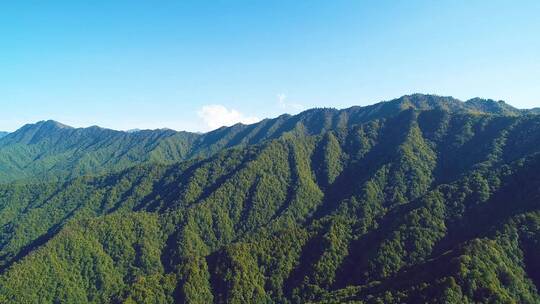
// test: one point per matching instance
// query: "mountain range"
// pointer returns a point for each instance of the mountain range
(421, 199)
(50, 150)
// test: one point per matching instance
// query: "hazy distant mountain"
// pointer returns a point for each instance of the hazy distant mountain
(2, 134)
(49, 149)
(422, 199)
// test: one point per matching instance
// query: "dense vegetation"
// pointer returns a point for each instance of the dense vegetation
(419, 200)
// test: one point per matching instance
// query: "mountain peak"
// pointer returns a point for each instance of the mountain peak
(448, 103)
(491, 106)
(52, 124)
(428, 101)
(31, 133)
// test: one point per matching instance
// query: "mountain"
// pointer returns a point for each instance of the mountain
(491, 106)
(50, 150)
(2, 134)
(422, 199)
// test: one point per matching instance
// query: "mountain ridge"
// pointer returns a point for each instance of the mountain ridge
(417, 100)
(423, 206)
(39, 150)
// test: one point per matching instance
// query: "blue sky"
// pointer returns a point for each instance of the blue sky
(194, 65)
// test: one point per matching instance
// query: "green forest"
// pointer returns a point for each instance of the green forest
(422, 199)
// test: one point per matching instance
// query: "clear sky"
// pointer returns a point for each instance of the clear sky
(194, 65)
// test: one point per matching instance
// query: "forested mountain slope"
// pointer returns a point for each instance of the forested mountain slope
(2, 134)
(49, 150)
(411, 201)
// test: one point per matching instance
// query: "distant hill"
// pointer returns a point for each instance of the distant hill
(2, 134)
(51, 150)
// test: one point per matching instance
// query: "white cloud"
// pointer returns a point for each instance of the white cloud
(215, 116)
(284, 104)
